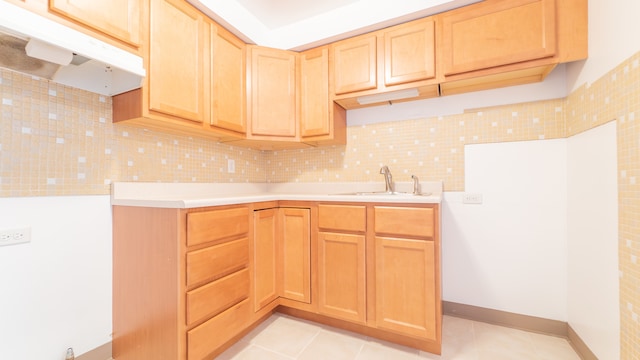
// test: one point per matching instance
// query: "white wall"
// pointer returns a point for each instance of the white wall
(510, 252)
(56, 290)
(593, 285)
(613, 38)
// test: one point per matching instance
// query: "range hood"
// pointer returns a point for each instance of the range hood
(35, 45)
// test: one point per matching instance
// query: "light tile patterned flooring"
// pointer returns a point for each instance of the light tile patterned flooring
(284, 338)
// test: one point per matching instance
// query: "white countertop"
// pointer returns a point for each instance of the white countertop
(194, 195)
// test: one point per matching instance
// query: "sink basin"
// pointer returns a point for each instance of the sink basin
(383, 193)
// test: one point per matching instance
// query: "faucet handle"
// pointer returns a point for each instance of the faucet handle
(416, 184)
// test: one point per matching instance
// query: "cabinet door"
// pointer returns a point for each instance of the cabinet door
(117, 18)
(499, 33)
(177, 56)
(341, 273)
(354, 64)
(405, 287)
(409, 53)
(229, 90)
(296, 254)
(264, 258)
(314, 92)
(273, 92)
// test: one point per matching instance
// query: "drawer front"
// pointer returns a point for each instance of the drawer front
(418, 222)
(342, 217)
(215, 261)
(217, 296)
(214, 225)
(204, 339)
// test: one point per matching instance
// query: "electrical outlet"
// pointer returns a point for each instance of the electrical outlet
(15, 236)
(231, 166)
(472, 198)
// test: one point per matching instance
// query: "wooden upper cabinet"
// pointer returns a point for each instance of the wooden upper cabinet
(314, 92)
(273, 105)
(119, 19)
(497, 33)
(178, 52)
(355, 65)
(229, 90)
(409, 53)
(391, 65)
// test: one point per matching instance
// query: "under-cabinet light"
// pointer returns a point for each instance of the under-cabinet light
(387, 97)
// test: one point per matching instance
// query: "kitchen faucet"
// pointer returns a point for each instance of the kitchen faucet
(388, 179)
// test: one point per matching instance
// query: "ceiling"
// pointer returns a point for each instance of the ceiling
(303, 24)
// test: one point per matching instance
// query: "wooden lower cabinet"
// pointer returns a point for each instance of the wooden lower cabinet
(405, 287)
(173, 300)
(295, 258)
(341, 269)
(187, 283)
(265, 252)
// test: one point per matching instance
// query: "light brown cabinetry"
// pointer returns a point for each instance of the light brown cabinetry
(228, 96)
(177, 86)
(281, 256)
(406, 271)
(181, 282)
(119, 19)
(379, 266)
(190, 61)
(178, 75)
(500, 43)
(273, 96)
(265, 257)
(295, 254)
(321, 120)
(386, 61)
(341, 262)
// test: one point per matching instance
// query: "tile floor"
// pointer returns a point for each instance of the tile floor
(282, 337)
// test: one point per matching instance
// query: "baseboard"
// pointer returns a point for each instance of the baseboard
(522, 322)
(579, 346)
(100, 353)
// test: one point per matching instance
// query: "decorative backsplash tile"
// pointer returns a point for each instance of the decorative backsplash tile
(432, 149)
(55, 140)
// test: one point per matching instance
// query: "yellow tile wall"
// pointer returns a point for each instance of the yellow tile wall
(432, 149)
(60, 141)
(55, 140)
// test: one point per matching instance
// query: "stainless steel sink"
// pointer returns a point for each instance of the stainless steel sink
(383, 193)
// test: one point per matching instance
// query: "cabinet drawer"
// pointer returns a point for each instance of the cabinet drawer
(404, 221)
(342, 217)
(203, 340)
(214, 225)
(212, 262)
(217, 296)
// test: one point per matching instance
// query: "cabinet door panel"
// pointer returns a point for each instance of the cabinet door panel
(177, 56)
(229, 89)
(405, 287)
(296, 254)
(314, 93)
(354, 65)
(341, 272)
(506, 32)
(273, 92)
(265, 257)
(409, 53)
(117, 18)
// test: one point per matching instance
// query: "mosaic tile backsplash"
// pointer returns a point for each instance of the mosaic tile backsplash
(55, 140)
